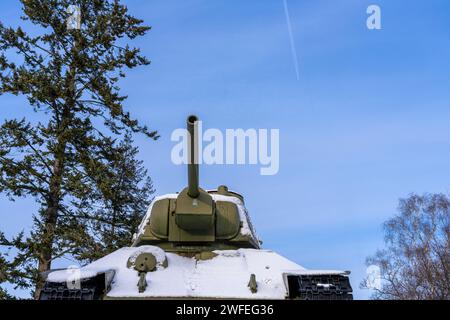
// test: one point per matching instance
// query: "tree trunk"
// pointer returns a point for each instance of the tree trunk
(53, 203)
(54, 199)
(51, 219)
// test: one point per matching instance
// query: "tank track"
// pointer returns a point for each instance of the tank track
(319, 287)
(89, 289)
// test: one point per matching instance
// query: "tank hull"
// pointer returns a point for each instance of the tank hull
(219, 274)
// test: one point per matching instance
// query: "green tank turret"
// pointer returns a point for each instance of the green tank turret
(194, 221)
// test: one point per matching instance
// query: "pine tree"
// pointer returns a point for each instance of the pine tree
(117, 204)
(4, 266)
(74, 159)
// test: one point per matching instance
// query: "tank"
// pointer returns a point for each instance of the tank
(196, 244)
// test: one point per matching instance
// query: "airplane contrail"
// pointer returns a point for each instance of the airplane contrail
(291, 37)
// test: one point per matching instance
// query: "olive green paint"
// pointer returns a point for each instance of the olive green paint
(194, 222)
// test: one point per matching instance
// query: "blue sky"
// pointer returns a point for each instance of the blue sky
(366, 123)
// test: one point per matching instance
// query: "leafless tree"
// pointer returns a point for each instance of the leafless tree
(416, 261)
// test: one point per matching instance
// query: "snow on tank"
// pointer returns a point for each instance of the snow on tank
(224, 274)
(196, 244)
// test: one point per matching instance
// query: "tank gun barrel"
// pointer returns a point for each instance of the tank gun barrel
(193, 174)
